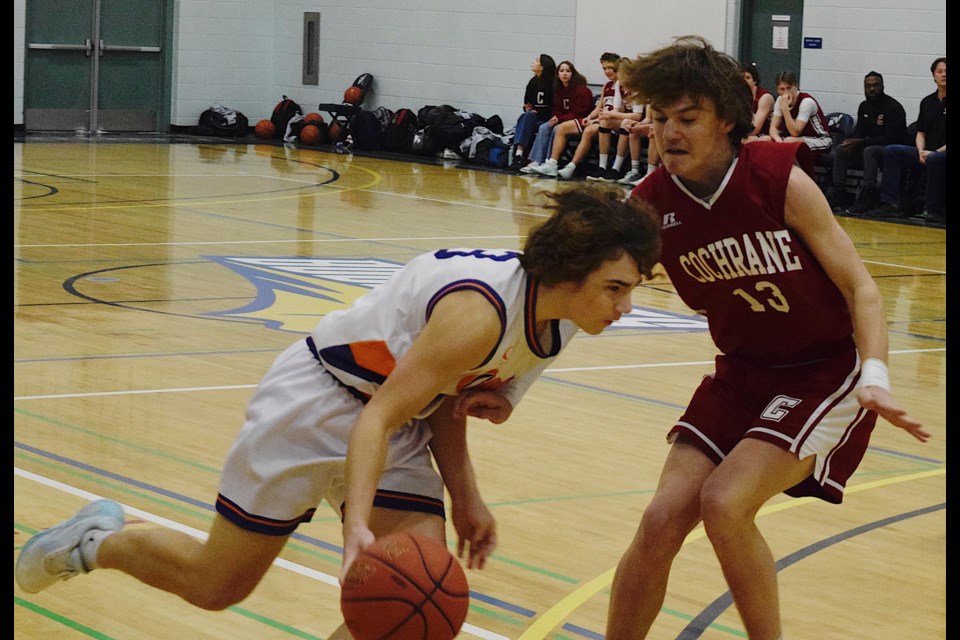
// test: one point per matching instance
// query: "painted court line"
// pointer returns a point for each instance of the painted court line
(554, 616)
(196, 533)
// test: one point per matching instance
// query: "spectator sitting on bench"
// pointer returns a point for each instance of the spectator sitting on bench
(798, 117)
(572, 99)
(537, 105)
(586, 127)
(929, 155)
(762, 104)
(881, 121)
(637, 132)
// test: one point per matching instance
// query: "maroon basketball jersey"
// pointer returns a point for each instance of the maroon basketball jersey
(766, 299)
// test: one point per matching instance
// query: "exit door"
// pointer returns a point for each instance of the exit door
(773, 37)
(95, 65)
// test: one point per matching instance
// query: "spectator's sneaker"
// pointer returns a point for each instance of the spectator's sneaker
(56, 553)
(610, 175)
(642, 178)
(867, 200)
(630, 177)
(530, 168)
(518, 163)
(566, 173)
(887, 210)
(839, 199)
(596, 173)
(929, 216)
(548, 168)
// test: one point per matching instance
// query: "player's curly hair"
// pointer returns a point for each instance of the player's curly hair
(691, 67)
(590, 225)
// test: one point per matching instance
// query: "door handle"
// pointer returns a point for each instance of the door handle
(87, 46)
(116, 47)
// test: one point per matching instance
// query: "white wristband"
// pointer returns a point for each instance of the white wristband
(873, 372)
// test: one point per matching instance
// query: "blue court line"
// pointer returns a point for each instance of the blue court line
(699, 625)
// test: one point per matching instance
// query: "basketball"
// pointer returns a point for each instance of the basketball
(352, 95)
(264, 130)
(405, 585)
(311, 135)
(335, 130)
(313, 118)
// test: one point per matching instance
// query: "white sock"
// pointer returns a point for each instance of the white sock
(552, 161)
(572, 166)
(617, 163)
(90, 546)
(651, 168)
(518, 153)
(635, 165)
(604, 158)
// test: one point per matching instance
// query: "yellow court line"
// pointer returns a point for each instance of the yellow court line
(560, 611)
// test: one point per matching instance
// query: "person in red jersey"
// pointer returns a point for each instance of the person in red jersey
(750, 241)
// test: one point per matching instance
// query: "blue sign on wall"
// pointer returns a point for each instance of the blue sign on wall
(813, 43)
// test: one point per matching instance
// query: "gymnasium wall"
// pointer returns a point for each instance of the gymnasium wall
(476, 55)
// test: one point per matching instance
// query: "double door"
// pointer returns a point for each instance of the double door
(96, 65)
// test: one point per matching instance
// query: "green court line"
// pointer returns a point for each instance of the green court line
(56, 617)
(159, 453)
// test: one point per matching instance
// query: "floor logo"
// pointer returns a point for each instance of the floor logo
(294, 293)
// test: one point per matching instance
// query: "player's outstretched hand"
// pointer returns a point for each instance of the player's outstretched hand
(476, 532)
(879, 399)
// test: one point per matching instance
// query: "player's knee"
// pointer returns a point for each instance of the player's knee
(664, 526)
(722, 506)
(217, 597)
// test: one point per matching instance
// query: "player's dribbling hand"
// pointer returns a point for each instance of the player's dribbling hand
(354, 540)
(879, 399)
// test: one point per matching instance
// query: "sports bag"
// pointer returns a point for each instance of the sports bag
(365, 130)
(282, 113)
(398, 136)
(222, 121)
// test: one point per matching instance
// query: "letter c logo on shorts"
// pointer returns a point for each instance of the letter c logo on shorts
(778, 408)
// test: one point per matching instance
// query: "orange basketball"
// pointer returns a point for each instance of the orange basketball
(264, 130)
(335, 131)
(352, 95)
(311, 135)
(313, 118)
(405, 585)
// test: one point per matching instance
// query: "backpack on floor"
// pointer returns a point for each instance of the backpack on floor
(398, 136)
(282, 113)
(365, 130)
(222, 121)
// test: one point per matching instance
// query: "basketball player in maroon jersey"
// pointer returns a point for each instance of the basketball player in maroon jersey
(750, 241)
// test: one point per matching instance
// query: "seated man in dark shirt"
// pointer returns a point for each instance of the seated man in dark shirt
(929, 154)
(881, 121)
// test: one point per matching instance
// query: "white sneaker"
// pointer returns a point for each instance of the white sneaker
(548, 168)
(630, 177)
(56, 554)
(636, 182)
(530, 168)
(567, 172)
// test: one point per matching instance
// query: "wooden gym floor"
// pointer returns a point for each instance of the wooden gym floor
(154, 283)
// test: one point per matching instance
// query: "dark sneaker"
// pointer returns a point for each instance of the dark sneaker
(929, 217)
(887, 210)
(839, 199)
(867, 200)
(610, 175)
